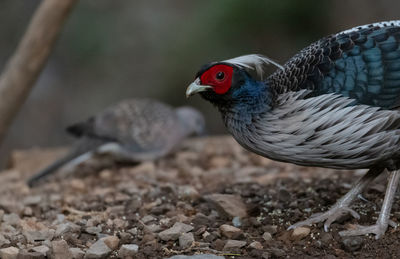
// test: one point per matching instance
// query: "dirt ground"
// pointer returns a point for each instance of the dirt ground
(174, 206)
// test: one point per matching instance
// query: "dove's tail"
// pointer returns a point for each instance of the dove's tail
(80, 152)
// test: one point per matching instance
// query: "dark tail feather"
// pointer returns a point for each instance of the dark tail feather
(81, 128)
(83, 146)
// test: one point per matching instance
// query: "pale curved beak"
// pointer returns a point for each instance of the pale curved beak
(196, 87)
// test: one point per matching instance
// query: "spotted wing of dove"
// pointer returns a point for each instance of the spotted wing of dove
(133, 130)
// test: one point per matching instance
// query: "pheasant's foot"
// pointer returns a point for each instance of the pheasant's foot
(378, 229)
(329, 217)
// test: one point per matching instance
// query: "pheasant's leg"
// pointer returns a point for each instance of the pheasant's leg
(341, 207)
(383, 221)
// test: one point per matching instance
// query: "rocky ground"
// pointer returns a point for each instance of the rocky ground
(211, 199)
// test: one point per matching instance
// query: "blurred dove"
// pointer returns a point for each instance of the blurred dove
(133, 130)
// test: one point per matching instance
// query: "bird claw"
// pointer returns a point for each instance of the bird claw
(377, 229)
(393, 224)
(329, 217)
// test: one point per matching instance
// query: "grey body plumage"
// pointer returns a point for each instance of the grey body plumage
(322, 131)
(335, 104)
(133, 130)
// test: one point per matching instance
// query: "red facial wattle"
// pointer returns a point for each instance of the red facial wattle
(218, 76)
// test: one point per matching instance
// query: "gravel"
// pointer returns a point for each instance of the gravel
(209, 199)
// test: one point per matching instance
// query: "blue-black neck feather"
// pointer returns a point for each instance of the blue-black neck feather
(246, 98)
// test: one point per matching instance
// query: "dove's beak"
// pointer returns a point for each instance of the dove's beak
(196, 87)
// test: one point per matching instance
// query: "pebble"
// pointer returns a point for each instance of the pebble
(111, 241)
(230, 232)
(9, 252)
(3, 241)
(125, 237)
(38, 235)
(284, 195)
(128, 250)
(277, 252)
(77, 184)
(60, 250)
(60, 218)
(133, 231)
(218, 244)
(188, 192)
(120, 223)
(98, 250)
(228, 205)
(94, 230)
(300, 233)
(32, 200)
(326, 238)
(352, 244)
(8, 231)
(1, 215)
(44, 250)
(237, 222)
(200, 256)
(267, 236)
(77, 253)
(201, 219)
(256, 245)
(186, 240)
(27, 211)
(270, 229)
(153, 228)
(254, 222)
(11, 219)
(148, 218)
(175, 231)
(232, 244)
(67, 227)
(205, 236)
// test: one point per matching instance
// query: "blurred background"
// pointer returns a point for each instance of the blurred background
(112, 50)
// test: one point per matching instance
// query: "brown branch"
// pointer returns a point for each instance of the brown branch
(24, 67)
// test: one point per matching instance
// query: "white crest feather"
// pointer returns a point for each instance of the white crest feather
(255, 62)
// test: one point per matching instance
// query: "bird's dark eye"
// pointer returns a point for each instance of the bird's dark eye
(220, 75)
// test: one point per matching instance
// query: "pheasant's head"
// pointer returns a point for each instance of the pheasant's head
(235, 81)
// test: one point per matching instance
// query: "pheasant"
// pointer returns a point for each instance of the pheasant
(133, 130)
(335, 104)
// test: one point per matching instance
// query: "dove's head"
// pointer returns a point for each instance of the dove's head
(192, 120)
